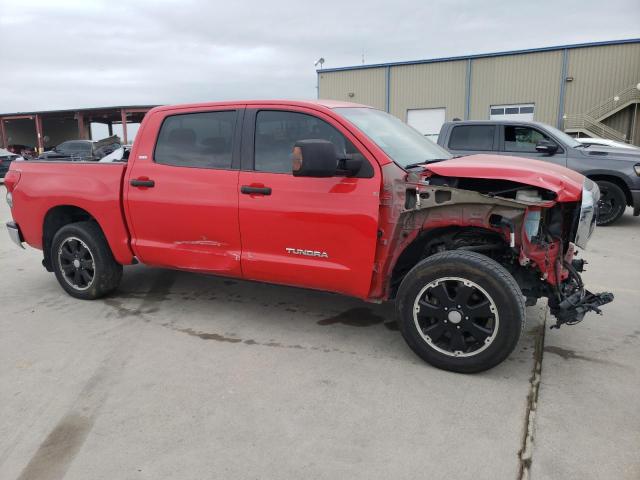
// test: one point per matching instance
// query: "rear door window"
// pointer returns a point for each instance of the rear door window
(197, 140)
(472, 137)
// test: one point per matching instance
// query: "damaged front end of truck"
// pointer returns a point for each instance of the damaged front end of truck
(529, 222)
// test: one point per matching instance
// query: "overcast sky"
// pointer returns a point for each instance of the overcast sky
(83, 53)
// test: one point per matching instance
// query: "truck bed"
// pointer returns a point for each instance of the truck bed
(91, 186)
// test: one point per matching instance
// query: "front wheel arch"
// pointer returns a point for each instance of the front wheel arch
(612, 202)
(615, 180)
(425, 243)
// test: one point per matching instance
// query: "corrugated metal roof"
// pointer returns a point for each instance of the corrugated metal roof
(483, 55)
(73, 110)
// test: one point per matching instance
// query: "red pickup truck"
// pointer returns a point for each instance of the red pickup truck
(324, 195)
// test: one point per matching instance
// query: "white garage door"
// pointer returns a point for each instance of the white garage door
(523, 111)
(427, 121)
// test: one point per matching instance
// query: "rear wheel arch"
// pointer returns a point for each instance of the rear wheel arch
(83, 262)
(56, 218)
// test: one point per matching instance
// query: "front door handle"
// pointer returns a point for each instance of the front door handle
(249, 190)
(139, 182)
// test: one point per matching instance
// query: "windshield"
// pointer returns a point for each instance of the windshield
(404, 145)
(563, 137)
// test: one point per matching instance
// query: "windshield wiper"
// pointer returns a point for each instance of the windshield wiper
(419, 164)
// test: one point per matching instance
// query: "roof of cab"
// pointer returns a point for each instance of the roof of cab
(495, 122)
(316, 104)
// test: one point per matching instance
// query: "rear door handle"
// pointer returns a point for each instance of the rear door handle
(138, 182)
(248, 190)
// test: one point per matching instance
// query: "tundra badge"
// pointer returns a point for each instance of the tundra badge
(306, 253)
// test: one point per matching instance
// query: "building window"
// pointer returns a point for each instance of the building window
(512, 112)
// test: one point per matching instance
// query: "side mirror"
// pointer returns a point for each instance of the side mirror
(545, 146)
(351, 165)
(314, 158)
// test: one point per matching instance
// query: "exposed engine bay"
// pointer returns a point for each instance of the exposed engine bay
(523, 227)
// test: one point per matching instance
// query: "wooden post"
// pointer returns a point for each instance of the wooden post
(81, 132)
(123, 117)
(39, 134)
(3, 134)
(110, 128)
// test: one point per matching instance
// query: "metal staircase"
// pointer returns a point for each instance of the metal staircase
(590, 123)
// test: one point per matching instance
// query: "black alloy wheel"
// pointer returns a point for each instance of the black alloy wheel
(457, 317)
(83, 262)
(460, 311)
(76, 262)
(612, 203)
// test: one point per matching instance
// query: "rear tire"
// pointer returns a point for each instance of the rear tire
(460, 311)
(82, 261)
(612, 203)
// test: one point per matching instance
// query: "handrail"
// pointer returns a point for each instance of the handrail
(590, 124)
(629, 94)
(590, 121)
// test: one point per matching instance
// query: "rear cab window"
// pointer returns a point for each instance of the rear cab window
(197, 140)
(472, 137)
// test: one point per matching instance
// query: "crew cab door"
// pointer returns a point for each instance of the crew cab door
(182, 190)
(521, 140)
(318, 233)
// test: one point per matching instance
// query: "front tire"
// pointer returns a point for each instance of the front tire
(83, 262)
(460, 311)
(612, 203)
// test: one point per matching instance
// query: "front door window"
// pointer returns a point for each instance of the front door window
(278, 131)
(522, 139)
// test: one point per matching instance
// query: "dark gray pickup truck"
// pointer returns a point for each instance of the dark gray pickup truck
(615, 170)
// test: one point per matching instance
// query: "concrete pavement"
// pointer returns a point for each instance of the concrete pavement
(186, 376)
(588, 420)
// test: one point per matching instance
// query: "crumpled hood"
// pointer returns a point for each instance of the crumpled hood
(566, 184)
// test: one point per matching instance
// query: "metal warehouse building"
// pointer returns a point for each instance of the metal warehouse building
(590, 89)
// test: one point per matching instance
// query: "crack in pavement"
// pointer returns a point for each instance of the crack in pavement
(525, 455)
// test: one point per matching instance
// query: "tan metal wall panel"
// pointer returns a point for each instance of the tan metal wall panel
(527, 78)
(599, 73)
(368, 86)
(622, 120)
(429, 85)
